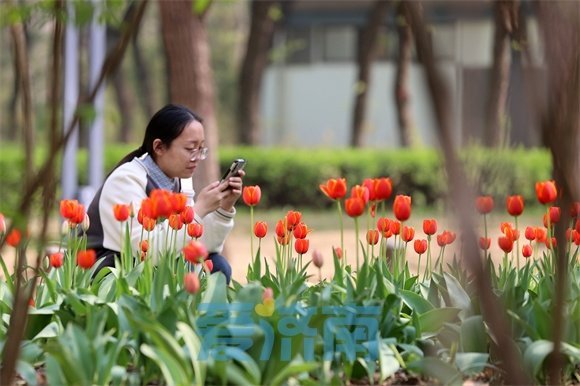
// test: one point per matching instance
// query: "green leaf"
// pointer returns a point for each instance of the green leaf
(216, 291)
(432, 321)
(536, 353)
(473, 337)
(193, 344)
(416, 302)
(459, 298)
(200, 6)
(173, 373)
(471, 362)
(294, 368)
(27, 372)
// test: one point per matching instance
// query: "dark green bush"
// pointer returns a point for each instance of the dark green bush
(290, 177)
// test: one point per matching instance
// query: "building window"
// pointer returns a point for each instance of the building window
(339, 43)
(297, 46)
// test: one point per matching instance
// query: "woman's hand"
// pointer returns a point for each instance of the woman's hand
(233, 191)
(210, 198)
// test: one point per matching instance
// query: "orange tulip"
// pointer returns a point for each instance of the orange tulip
(407, 234)
(301, 246)
(515, 205)
(56, 259)
(372, 236)
(360, 191)
(301, 231)
(194, 252)
(338, 252)
(260, 229)
(187, 215)
(195, 230)
(354, 206)
(402, 207)
(546, 192)
(191, 282)
(370, 185)
(530, 233)
(293, 218)
(178, 202)
(86, 259)
(14, 237)
(383, 224)
(281, 229)
(395, 227)
(121, 212)
(251, 195)
(175, 222)
(144, 246)
(149, 224)
(430, 226)
(541, 234)
(334, 189)
(484, 204)
(420, 246)
(283, 240)
(551, 243)
(161, 204)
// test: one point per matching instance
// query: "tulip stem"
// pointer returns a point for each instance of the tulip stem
(341, 231)
(251, 233)
(356, 229)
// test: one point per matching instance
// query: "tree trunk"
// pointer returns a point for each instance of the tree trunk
(402, 93)
(190, 74)
(365, 57)
(143, 79)
(125, 105)
(505, 23)
(252, 70)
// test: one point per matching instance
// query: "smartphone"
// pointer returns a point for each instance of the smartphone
(234, 168)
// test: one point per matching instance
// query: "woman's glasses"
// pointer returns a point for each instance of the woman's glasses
(200, 153)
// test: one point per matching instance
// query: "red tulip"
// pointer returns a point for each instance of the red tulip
(546, 192)
(121, 212)
(383, 224)
(370, 185)
(576, 236)
(208, 265)
(251, 195)
(515, 205)
(260, 229)
(430, 226)
(281, 229)
(402, 207)
(372, 236)
(395, 227)
(484, 243)
(354, 206)
(161, 204)
(191, 282)
(301, 246)
(551, 242)
(484, 204)
(56, 259)
(574, 210)
(283, 240)
(541, 234)
(360, 191)
(505, 243)
(527, 250)
(14, 237)
(194, 252)
(554, 214)
(334, 189)
(383, 188)
(149, 224)
(338, 252)
(530, 233)
(578, 225)
(86, 259)
(144, 246)
(420, 246)
(268, 294)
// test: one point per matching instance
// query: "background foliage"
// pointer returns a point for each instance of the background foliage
(290, 175)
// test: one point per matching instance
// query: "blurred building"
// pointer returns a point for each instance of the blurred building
(310, 84)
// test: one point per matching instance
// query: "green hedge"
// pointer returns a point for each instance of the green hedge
(290, 177)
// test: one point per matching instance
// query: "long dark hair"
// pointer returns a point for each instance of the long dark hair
(167, 124)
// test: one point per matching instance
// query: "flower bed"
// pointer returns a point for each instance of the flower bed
(152, 320)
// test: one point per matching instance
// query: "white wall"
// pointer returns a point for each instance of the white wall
(311, 105)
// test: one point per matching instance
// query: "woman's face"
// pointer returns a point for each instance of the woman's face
(180, 157)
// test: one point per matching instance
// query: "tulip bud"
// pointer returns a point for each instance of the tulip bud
(65, 228)
(317, 258)
(86, 223)
(527, 251)
(268, 294)
(191, 282)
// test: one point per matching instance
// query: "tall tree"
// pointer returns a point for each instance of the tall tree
(366, 53)
(190, 74)
(263, 17)
(506, 22)
(402, 93)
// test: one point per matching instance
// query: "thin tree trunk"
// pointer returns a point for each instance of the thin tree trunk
(505, 22)
(252, 70)
(190, 73)
(365, 58)
(402, 93)
(9, 132)
(23, 70)
(560, 26)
